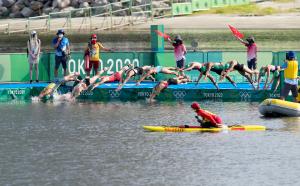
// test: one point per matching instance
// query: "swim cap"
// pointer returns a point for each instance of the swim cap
(276, 73)
(203, 69)
(291, 55)
(226, 66)
(262, 72)
(195, 105)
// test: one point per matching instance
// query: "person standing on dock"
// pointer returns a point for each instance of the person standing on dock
(33, 53)
(92, 56)
(290, 76)
(62, 52)
(251, 53)
(179, 51)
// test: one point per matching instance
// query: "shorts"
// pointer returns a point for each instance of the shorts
(217, 71)
(180, 63)
(60, 60)
(287, 88)
(136, 71)
(158, 69)
(252, 64)
(115, 77)
(33, 61)
(91, 64)
(239, 67)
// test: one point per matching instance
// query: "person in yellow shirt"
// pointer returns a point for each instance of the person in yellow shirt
(92, 56)
(290, 76)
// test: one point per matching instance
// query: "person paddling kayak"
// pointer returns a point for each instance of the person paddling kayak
(208, 119)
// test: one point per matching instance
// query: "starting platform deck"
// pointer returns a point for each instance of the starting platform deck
(131, 92)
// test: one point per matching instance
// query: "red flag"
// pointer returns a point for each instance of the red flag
(235, 32)
(165, 36)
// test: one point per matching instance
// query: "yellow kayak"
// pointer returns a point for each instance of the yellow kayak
(200, 129)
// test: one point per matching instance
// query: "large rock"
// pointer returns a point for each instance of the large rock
(61, 3)
(36, 5)
(84, 5)
(15, 8)
(26, 12)
(47, 10)
(27, 3)
(75, 3)
(4, 12)
(15, 15)
(99, 2)
(8, 3)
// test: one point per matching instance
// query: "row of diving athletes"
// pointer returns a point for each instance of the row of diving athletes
(129, 71)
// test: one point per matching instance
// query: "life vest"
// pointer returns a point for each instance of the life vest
(291, 72)
(94, 51)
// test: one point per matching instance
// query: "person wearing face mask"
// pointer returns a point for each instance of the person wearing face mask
(92, 56)
(62, 51)
(33, 52)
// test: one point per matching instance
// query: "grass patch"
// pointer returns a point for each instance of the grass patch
(250, 9)
(283, 1)
(222, 39)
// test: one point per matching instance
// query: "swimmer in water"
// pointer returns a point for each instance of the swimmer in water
(48, 91)
(162, 85)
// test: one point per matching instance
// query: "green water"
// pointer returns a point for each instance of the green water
(87, 143)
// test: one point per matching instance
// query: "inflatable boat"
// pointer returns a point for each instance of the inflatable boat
(277, 107)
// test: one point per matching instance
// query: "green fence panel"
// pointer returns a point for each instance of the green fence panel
(5, 68)
(157, 42)
(19, 67)
(114, 61)
(165, 59)
(181, 9)
(238, 2)
(201, 5)
(219, 3)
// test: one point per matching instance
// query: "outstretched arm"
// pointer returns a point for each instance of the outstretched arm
(200, 76)
(144, 76)
(267, 78)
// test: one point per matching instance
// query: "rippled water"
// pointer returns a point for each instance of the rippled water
(104, 144)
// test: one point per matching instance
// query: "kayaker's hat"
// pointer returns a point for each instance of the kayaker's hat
(195, 106)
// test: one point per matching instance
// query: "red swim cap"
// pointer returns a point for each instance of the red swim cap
(195, 105)
(93, 36)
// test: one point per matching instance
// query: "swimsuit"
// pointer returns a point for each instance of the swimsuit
(158, 69)
(239, 67)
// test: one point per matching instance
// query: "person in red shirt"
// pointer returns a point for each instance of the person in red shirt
(208, 119)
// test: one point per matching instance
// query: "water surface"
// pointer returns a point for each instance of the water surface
(90, 143)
